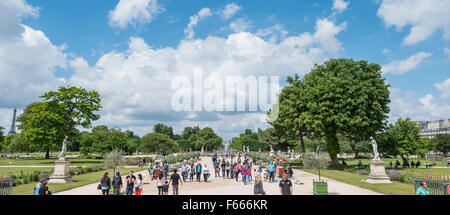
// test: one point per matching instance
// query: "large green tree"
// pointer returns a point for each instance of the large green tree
(289, 109)
(343, 96)
(41, 123)
(157, 142)
(442, 143)
(77, 107)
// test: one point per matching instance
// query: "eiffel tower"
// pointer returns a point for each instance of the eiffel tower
(12, 130)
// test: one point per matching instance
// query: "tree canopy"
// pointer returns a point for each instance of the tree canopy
(157, 142)
(442, 143)
(346, 97)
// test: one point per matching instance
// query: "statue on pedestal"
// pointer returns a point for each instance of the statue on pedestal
(201, 152)
(64, 149)
(271, 149)
(377, 167)
(375, 149)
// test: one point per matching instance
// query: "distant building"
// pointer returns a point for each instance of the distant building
(432, 128)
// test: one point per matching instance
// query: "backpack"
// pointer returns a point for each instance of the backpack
(37, 188)
(116, 181)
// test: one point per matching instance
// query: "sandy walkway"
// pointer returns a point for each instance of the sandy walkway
(220, 186)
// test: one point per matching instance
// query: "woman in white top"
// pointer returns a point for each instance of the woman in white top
(205, 173)
(160, 183)
(139, 184)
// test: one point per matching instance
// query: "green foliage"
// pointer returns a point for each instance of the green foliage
(267, 138)
(1, 137)
(164, 129)
(316, 160)
(18, 143)
(402, 138)
(442, 143)
(41, 123)
(345, 97)
(157, 142)
(46, 123)
(247, 139)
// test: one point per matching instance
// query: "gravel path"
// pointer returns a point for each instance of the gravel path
(220, 186)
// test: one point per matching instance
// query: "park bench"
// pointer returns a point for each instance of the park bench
(429, 165)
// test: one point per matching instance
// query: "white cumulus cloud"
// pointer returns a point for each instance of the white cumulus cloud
(340, 5)
(404, 66)
(240, 25)
(194, 20)
(135, 84)
(424, 16)
(229, 10)
(134, 12)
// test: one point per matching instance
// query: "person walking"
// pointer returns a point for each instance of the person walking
(271, 168)
(249, 173)
(244, 169)
(117, 183)
(150, 168)
(139, 185)
(223, 164)
(199, 171)
(423, 189)
(237, 169)
(105, 184)
(131, 179)
(166, 170)
(184, 171)
(258, 187)
(192, 171)
(285, 186)
(206, 173)
(160, 183)
(174, 178)
(227, 168)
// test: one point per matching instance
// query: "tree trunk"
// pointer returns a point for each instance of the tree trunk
(302, 142)
(319, 174)
(333, 148)
(47, 154)
(356, 154)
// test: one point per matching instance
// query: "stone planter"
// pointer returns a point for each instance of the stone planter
(320, 187)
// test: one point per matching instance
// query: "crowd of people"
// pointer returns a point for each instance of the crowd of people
(242, 169)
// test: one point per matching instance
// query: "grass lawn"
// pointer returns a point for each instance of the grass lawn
(80, 180)
(48, 162)
(396, 188)
(25, 170)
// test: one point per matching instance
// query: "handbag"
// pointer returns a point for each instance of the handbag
(137, 189)
(99, 187)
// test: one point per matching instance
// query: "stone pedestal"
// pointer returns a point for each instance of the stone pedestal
(61, 174)
(378, 173)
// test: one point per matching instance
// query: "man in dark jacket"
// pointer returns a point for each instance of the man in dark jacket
(117, 183)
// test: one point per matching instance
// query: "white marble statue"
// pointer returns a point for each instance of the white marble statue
(64, 148)
(375, 149)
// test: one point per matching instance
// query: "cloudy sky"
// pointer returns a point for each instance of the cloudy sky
(130, 50)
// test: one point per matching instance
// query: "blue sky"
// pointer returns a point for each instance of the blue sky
(395, 34)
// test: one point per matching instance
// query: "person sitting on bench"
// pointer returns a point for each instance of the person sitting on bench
(397, 164)
(418, 164)
(343, 163)
(359, 164)
(413, 164)
(390, 164)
